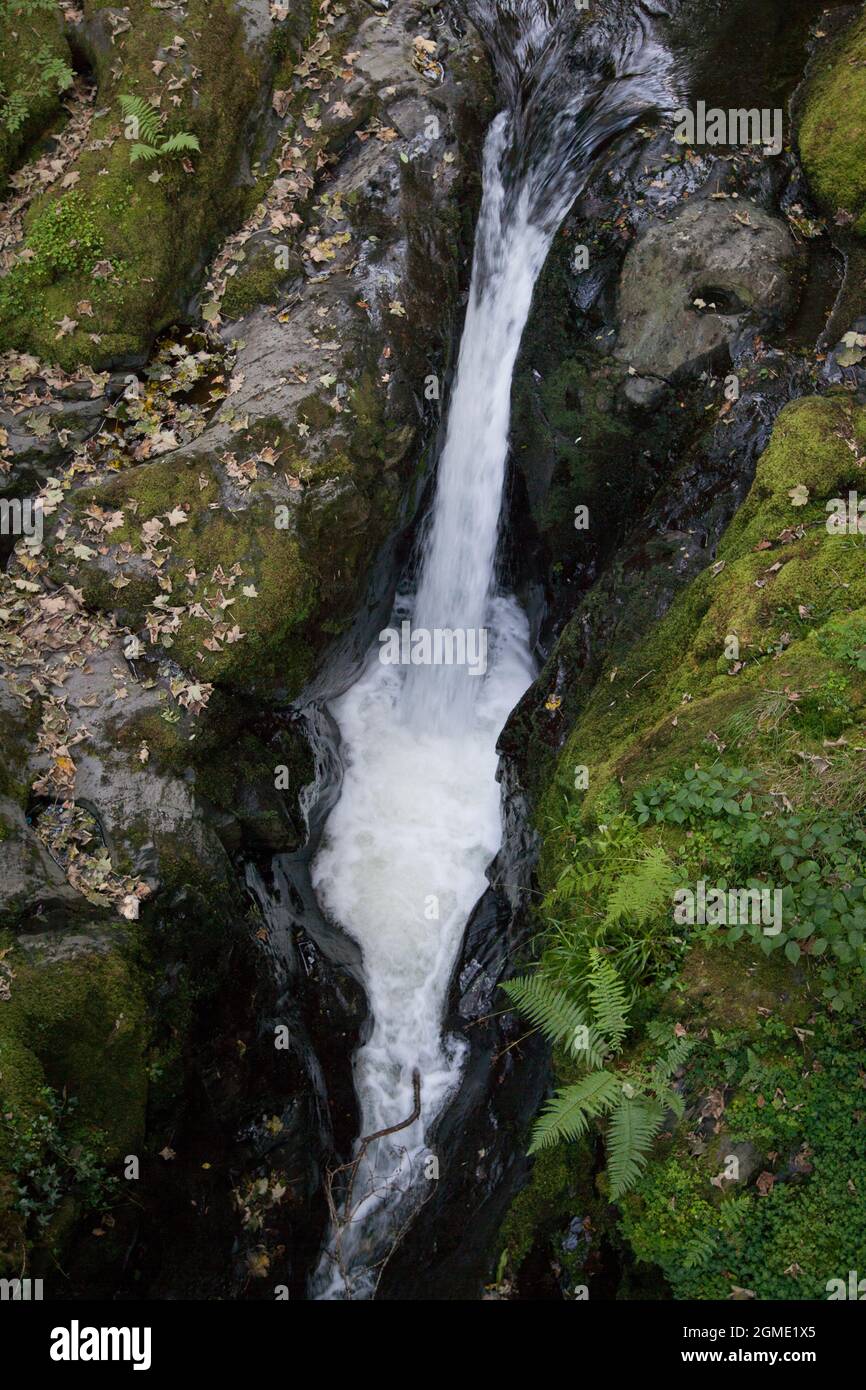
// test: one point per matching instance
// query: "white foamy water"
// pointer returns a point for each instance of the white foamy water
(419, 817)
(408, 843)
(403, 860)
(417, 823)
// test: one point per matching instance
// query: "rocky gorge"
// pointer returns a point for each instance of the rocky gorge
(225, 376)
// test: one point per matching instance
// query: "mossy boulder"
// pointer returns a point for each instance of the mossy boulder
(128, 238)
(229, 597)
(832, 129)
(780, 579)
(35, 71)
(73, 1082)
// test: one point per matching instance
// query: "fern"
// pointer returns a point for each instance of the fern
(568, 1114)
(732, 1213)
(635, 1099)
(179, 143)
(610, 1004)
(633, 1126)
(700, 1250)
(645, 892)
(561, 1020)
(144, 152)
(152, 146)
(147, 118)
(671, 1060)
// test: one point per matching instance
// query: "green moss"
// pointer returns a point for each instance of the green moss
(258, 281)
(779, 577)
(73, 1084)
(832, 134)
(16, 730)
(80, 1023)
(34, 72)
(720, 988)
(128, 603)
(815, 444)
(805, 1126)
(557, 1189)
(211, 543)
(152, 234)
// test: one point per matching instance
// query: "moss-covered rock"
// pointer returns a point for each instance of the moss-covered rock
(233, 592)
(127, 238)
(73, 1082)
(779, 577)
(35, 70)
(832, 131)
(260, 279)
(723, 744)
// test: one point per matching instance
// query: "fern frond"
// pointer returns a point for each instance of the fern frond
(671, 1059)
(732, 1213)
(568, 1113)
(561, 1020)
(149, 122)
(646, 891)
(633, 1126)
(179, 143)
(700, 1250)
(610, 1003)
(145, 152)
(671, 1100)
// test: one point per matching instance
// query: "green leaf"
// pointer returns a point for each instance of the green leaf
(560, 1019)
(568, 1113)
(143, 152)
(633, 1126)
(180, 143)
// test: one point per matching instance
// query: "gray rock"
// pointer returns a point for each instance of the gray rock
(141, 809)
(41, 438)
(32, 885)
(730, 254)
(50, 947)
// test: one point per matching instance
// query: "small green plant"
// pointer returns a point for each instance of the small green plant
(844, 639)
(149, 141)
(633, 1098)
(616, 895)
(816, 860)
(32, 76)
(50, 1160)
(805, 1116)
(45, 73)
(701, 792)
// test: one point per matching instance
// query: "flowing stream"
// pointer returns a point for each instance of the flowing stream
(405, 850)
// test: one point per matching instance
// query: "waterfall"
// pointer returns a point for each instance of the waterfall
(406, 848)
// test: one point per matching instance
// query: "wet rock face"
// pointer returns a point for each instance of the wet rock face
(690, 285)
(141, 771)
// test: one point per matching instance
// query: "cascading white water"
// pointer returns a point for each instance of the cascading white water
(459, 559)
(419, 819)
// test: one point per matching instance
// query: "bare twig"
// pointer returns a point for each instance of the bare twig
(341, 1219)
